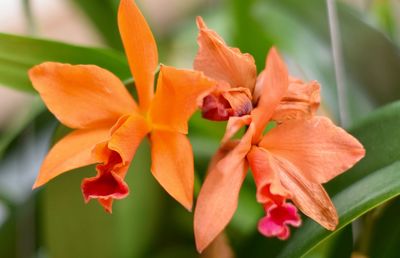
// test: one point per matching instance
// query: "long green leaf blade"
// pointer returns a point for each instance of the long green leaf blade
(18, 54)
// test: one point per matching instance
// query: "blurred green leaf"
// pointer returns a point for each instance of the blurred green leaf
(385, 234)
(340, 244)
(18, 54)
(19, 123)
(73, 229)
(103, 15)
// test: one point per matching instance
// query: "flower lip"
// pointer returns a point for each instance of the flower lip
(277, 219)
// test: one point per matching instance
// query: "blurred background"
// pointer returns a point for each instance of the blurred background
(55, 222)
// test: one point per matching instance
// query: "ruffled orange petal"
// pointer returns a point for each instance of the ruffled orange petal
(272, 85)
(179, 93)
(221, 62)
(81, 96)
(301, 101)
(140, 48)
(73, 151)
(218, 197)
(115, 156)
(318, 148)
(269, 187)
(172, 165)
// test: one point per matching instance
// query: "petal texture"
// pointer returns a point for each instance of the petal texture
(316, 146)
(301, 101)
(81, 96)
(140, 48)
(179, 93)
(172, 165)
(221, 62)
(308, 196)
(72, 151)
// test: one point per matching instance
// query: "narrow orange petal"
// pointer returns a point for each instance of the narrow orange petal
(217, 202)
(301, 101)
(218, 197)
(309, 197)
(221, 62)
(81, 96)
(269, 187)
(272, 85)
(172, 165)
(316, 146)
(140, 48)
(179, 93)
(73, 151)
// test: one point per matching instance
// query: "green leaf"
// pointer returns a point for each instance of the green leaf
(385, 234)
(18, 54)
(352, 202)
(103, 15)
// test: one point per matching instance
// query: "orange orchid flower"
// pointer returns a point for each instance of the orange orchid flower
(289, 162)
(235, 72)
(108, 123)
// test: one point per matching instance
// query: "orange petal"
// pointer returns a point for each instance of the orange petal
(221, 62)
(218, 197)
(300, 101)
(272, 85)
(269, 187)
(172, 165)
(81, 96)
(316, 146)
(140, 48)
(309, 197)
(239, 100)
(73, 151)
(179, 93)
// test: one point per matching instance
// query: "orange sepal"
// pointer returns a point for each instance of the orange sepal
(140, 48)
(72, 151)
(172, 165)
(221, 62)
(81, 96)
(218, 197)
(318, 148)
(179, 93)
(272, 85)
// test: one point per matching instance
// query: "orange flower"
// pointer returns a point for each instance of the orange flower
(109, 125)
(290, 162)
(235, 72)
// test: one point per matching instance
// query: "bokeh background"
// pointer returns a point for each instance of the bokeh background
(55, 222)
